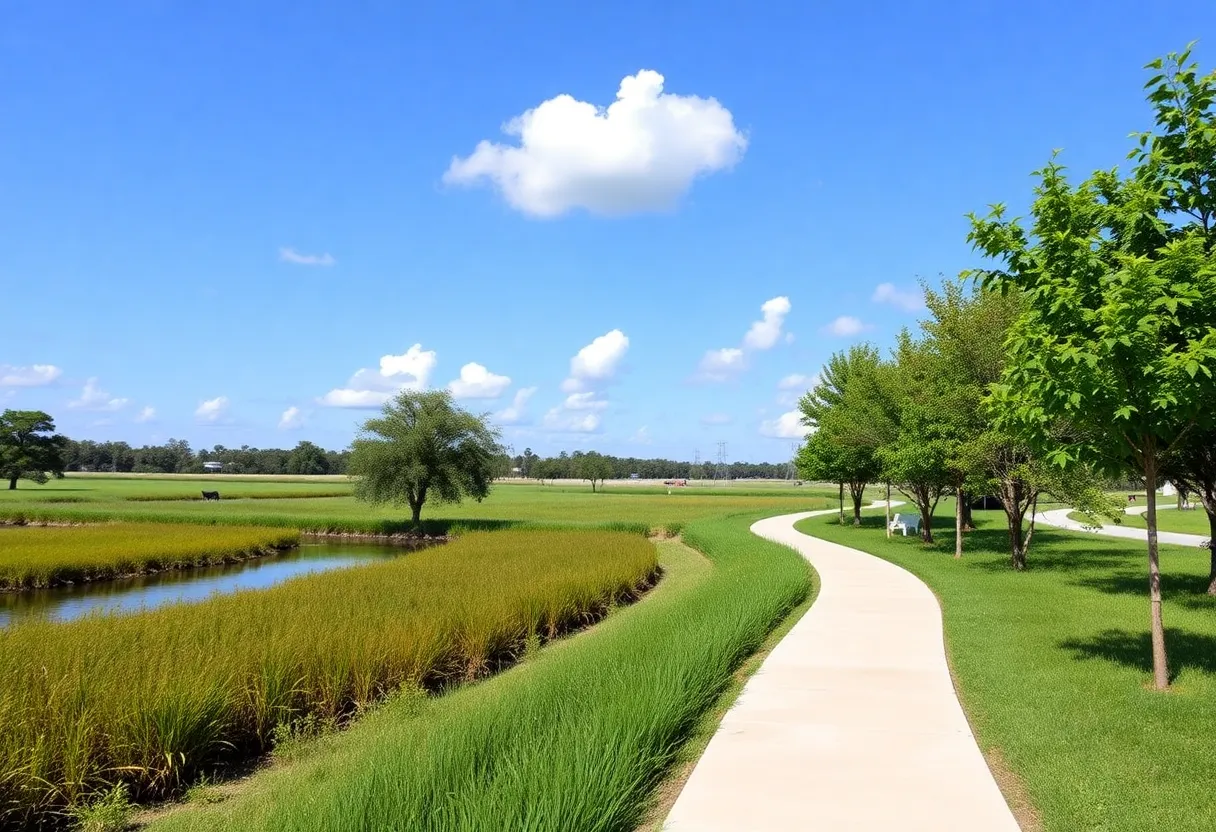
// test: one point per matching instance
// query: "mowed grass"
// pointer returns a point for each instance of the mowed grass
(97, 488)
(155, 698)
(508, 505)
(41, 556)
(1053, 667)
(1187, 521)
(577, 737)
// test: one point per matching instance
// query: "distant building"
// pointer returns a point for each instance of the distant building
(213, 467)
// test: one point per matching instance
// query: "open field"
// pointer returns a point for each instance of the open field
(154, 698)
(1053, 666)
(565, 504)
(41, 557)
(93, 488)
(577, 737)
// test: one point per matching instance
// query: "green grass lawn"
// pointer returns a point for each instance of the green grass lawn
(566, 504)
(93, 488)
(1053, 667)
(1188, 521)
(577, 737)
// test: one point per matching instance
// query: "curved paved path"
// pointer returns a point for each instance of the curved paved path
(852, 722)
(1060, 519)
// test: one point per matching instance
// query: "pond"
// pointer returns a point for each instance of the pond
(141, 592)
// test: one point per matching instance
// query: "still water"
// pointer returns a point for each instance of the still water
(63, 603)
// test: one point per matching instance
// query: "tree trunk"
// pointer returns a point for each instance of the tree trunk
(968, 520)
(842, 502)
(858, 492)
(12, 483)
(959, 498)
(1212, 549)
(1161, 672)
(416, 511)
(888, 509)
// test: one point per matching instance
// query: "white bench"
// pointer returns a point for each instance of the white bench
(904, 523)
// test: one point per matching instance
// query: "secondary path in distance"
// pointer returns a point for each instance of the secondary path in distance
(852, 721)
(1060, 519)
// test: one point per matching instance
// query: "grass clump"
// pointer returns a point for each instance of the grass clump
(110, 812)
(153, 699)
(42, 556)
(1054, 668)
(577, 738)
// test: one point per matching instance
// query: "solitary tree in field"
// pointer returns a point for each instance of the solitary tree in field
(307, 458)
(1117, 336)
(422, 446)
(594, 466)
(29, 447)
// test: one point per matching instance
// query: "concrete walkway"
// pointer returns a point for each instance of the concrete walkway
(1060, 519)
(852, 722)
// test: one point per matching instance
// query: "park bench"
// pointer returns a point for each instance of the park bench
(904, 523)
(211, 495)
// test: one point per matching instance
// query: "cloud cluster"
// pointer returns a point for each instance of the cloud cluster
(93, 398)
(290, 255)
(908, 300)
(786, 426)
(372, 388)
(846, 326)
(641, 153)
(476, 382)
(36, 375)
(590, 369)
(728, 362)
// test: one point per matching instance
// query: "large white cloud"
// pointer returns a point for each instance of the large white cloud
(786, 426)
(641, 153)
(476, 382)
(372, 388)
(36, 375)
(92, 397)
(596, 362)
(212, 410)
(516, 412)
(909, 300)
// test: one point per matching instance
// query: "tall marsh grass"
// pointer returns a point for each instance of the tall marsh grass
(44, 556)
(152, 699)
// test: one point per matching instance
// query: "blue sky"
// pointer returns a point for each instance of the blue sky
(229, 222)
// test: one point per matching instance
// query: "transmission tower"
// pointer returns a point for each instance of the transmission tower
(722, 470)
(696, 465)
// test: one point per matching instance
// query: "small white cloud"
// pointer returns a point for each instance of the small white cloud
(94, 398)
(641, 153)
(372, 388)
(909, 300)
(476, 382)
(786, 426)
(765, 332)
(290, 255)
(212, 410)
(146, 415)
(584, 401)
(641, 436)
(796, 381)
(596, 362)
(716, 419)
(291, 419)
(720, 365)
(515, 412)
(561, 420)
(845, 325)
(36, 375)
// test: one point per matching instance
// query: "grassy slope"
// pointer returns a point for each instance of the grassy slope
(576, 738)
(1052, 666)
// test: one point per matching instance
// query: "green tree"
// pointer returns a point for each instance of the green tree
(593, 466)
(29, 447)
(307, 458)
(422, 446)
(1118, 333)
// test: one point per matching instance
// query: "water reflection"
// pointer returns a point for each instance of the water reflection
(65, 603)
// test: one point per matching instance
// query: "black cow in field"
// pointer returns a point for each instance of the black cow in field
(211, 495)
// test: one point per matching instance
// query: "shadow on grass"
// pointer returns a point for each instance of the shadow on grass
(1188, 590)
(1186, 650)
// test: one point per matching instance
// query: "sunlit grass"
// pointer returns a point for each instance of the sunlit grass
(152, 699)
(40, 556)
